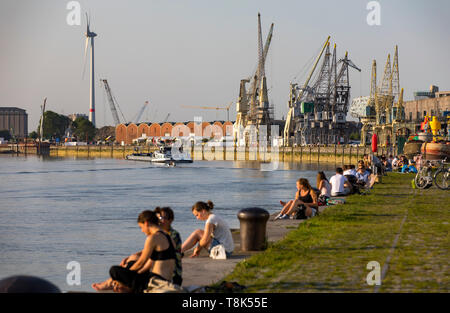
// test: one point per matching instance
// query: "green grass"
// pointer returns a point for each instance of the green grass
(330, 253)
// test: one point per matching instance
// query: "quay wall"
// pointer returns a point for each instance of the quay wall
(313, 154)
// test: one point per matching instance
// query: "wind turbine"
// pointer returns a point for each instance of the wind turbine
(90, 37)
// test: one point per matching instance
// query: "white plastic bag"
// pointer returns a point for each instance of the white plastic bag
(218, 252)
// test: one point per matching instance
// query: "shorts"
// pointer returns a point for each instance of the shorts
(216, 242)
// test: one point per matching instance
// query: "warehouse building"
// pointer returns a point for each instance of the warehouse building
(15, 120)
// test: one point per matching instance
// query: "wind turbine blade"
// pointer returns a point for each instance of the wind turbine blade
(85, 56)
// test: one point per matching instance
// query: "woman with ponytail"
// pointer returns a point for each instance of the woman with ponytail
(216, 231)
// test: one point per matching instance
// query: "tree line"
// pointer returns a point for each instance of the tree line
(55, 127)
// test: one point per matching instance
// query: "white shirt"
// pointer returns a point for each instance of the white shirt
(326, 189)
(364, 177)
(221, 232)
(350, 172)
(337, 183)
(394, 162)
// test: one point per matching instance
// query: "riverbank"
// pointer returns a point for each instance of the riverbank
(405, 230)
(338, 154)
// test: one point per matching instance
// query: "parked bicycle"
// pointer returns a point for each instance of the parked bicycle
(442, 176)
(424, 177)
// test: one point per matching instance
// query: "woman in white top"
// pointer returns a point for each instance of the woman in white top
(324, 187)
(216, 231)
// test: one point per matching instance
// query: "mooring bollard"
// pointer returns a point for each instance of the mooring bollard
(253, 228)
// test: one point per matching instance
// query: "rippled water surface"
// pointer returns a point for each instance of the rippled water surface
(57, 210)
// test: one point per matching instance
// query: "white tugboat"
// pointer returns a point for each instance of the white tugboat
(164, 155)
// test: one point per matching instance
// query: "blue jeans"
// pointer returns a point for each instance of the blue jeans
(216, 242)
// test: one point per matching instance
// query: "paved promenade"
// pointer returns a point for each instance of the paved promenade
(203, 270)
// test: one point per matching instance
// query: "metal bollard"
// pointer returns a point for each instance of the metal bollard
(253, 228)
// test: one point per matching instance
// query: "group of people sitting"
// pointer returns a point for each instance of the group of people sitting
(404, 165)
(163, 250)
(346, 181)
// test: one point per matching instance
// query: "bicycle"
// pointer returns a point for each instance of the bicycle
(424, 179)
(442, 176)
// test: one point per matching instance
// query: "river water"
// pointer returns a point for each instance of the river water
(57, 210)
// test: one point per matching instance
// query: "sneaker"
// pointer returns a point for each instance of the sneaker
(278, 217)
(284, 217)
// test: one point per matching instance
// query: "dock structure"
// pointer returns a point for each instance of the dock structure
(253, 107)
(318, 110)
(383, 112)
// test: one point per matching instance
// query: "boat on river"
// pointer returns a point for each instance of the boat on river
(166, 155)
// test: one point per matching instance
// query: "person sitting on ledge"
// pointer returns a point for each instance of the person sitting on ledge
(339, 184)
(157, 259)
(216, 231)
(305, 201)
(166, 217)
(325, 188)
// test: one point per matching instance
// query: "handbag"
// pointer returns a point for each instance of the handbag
(218, 252)
(158, 285)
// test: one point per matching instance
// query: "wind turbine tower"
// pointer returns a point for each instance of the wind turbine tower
(90, 38)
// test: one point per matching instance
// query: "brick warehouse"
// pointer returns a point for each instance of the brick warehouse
(126, 133)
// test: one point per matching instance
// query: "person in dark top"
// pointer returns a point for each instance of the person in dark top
(157, 259)
(305, 199)
(166, 218)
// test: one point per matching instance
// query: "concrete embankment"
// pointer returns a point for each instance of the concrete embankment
(313, 154)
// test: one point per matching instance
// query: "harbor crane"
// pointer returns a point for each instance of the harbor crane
(139, 115)
(211, 108)
(289, 126)
(112, 103)
(166, 119)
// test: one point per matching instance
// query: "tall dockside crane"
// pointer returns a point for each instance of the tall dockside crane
(318, 113)
(382, 112)
(253, 106)
(112, 103)
(289, 126)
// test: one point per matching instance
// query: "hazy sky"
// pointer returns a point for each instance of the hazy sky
(175, 53)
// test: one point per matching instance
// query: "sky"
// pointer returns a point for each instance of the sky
(185, 52)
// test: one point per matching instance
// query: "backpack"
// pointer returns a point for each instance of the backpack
(300, 214)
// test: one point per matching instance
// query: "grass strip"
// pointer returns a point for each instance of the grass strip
(329, 253)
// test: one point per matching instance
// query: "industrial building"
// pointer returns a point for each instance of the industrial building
(430, 103)
(127, 133)
(15, 120)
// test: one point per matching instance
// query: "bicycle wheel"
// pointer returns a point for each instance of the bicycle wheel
(421, 180)
(441, 179)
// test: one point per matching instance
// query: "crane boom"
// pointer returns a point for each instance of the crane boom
(138, 116)
(111, 101)
(290, 116)
(300, 94)
(211, 108)
(167, 117)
